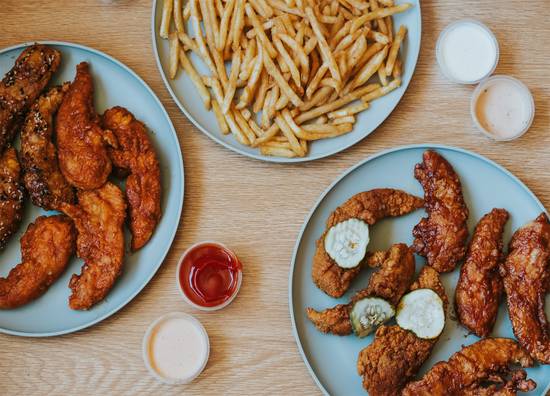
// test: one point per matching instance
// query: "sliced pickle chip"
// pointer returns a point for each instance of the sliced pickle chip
(421, 311)
(369, 313)
(346, 242)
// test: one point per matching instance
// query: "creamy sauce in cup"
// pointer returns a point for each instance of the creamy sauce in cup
(176, 348)
(502, 107)
(467, 51)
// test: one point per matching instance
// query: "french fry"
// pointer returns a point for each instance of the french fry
(320, 131)
(392, 56)
(220, 117)
(369, 69)
(224, 25)
(195, 77)
(287, 131)
(326, 53)
(266, 43)
(379, 13)
(167, 7)
(288, 60)
(343, 120)
(238, 23)
(348, 111)
(235, 130)
(262, 90)
(205, 55)
(232, 84)
(381, 91)
(174, 52)
(277, 152)
(382, 74)
(178, 16)
(243, 125)
(278, 77)
(397, 68)
(188, 42)
(316, 112)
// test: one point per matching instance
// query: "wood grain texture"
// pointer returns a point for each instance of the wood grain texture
(258, 208)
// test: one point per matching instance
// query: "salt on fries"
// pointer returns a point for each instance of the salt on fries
(282, 73)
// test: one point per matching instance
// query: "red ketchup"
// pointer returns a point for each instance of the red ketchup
(209, 275)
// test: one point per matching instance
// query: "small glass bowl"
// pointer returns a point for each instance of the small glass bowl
(439, 55)
(475, 97)
(147, 341)
(182, 292)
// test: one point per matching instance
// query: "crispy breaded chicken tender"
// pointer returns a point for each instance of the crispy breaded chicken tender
(81, 145)
(99, 219)
(396, 354)
(46, 248)
(370, 207)
(11, 195)
(41, 174)
(441, 237)
(134, 153)
(479, 288)
(483, 368)
(390, 282)
(526, 275)
(21, 86)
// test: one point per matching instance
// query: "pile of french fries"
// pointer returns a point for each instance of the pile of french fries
(300, 70)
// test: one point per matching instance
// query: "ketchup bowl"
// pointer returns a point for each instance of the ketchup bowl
(209, 276)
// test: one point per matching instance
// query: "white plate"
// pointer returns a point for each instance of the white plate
(331, 359)
(186, 97)
(115, 84)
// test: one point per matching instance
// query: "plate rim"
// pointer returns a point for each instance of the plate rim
(279, 160)
(173, 232)
(333, 185)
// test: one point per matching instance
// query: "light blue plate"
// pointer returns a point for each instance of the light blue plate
(186, 97)
(115, 84)
(332, 360)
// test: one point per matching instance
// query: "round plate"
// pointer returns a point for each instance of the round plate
(332, 360)
(115, 84)
(186, 97)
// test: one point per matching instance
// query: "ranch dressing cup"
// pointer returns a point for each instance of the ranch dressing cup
(502, 107)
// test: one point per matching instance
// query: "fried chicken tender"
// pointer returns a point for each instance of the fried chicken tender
(46, 248)
(441, 237)
(21, 86)
(526, 275)
(11, 195)
(135, 154)
(43, 180)
(369, 206)
(479, 287)
(390, 282)
(99, 219)
(482, 368)
(396, 354)
(82, 150)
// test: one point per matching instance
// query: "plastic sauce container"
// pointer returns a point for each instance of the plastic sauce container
(209, 276)
(502, 108)
(176, 348)
(467, 51)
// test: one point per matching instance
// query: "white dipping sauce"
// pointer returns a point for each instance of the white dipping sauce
(178, 348)
(503, 107)
(467, 51)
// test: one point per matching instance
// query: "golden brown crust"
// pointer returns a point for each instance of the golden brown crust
(396, 354)
(11, 195)
(390, 282)
(526, 275)
(82, 151)
(21, 86)
(370, 206)
(46, 248)
(136, 154)
(99, 219)
(41, 174)
(441, 237)
(469, 371)
(479, 287)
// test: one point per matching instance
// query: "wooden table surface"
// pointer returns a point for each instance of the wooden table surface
(258, 208)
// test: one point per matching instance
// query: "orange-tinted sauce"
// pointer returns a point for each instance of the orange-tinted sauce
(209, 275)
